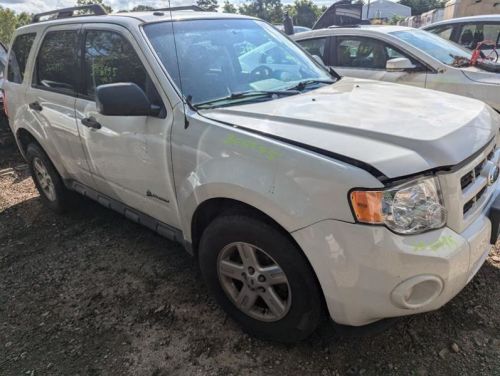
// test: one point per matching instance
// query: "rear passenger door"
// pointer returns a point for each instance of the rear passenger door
(129, 156)
(51, 100)
(365, 57)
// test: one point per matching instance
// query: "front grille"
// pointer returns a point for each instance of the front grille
(468, 181)
(466, 191)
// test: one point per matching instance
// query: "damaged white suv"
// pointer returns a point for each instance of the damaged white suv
(299, 192)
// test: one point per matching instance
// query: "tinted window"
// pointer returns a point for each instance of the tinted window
(368, 53)
(472, 34)
(315, 46)
(109, 58)
(57, 63)
(19, 57)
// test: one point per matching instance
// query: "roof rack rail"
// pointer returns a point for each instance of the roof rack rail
(96, 10)
(194, 8)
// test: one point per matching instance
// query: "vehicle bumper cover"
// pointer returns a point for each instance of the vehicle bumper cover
(368, 273)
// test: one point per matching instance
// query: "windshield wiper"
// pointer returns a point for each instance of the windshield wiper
(245, 94)
(304, 84)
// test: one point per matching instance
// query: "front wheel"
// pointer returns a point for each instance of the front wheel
(260, 278)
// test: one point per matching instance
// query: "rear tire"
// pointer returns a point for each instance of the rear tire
(285, 305)
(47, 180)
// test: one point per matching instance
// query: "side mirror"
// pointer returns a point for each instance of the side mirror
(319, 60)
(399, 64)
(124, 99)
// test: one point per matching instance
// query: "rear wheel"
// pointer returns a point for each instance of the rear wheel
(260, 278)
(48, 182)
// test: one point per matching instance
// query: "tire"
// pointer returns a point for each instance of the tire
(44, 174)
(222, 243)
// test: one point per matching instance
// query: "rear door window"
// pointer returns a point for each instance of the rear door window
(18, 57)
(57, 67)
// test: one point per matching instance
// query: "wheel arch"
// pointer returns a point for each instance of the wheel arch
(211, 208)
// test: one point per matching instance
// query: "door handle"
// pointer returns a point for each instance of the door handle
(91, 122)
(36, 106)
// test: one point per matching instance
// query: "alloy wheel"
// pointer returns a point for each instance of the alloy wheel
(254, 281)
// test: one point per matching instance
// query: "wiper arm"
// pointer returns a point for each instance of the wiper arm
(245, 94)
(303, 84)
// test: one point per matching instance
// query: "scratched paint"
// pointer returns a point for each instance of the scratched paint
(251, 144)
(443, 242)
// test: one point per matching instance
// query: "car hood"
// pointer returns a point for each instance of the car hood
(399, 130)
(482, 76)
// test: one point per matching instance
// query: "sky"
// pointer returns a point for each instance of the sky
(36, 6)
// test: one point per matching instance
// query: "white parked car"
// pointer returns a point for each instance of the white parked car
(297, 195)
(469, 31)
(403, 55)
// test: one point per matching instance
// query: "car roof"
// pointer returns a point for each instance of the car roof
(483, 18)
(131, 18)
(383, 29)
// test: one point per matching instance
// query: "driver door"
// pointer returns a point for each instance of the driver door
(366, 57)
(129, 156)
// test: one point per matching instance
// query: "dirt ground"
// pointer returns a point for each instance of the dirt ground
(91, 293)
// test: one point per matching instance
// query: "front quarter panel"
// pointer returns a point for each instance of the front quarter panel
(293, 186)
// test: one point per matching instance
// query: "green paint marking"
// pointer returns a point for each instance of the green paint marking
(248, 143)
(445, 241)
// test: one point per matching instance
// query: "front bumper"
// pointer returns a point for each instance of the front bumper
(368, 273)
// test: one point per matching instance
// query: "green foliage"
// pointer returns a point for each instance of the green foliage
(421, 6)
(268, 10)
(306, 13)
(142, 8)
(229, 7)
(210, 5)
(9, 22)
(395, 19)
(89, 2)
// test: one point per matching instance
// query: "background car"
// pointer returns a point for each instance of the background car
(468, 31)
(3, 63)
(403, 55)
(296, 29)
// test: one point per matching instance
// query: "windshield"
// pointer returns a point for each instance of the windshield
(220, 57)
(439, 48)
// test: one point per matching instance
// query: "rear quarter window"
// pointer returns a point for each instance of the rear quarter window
(18, 57)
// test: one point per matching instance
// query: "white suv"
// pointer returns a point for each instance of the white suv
(298, 191)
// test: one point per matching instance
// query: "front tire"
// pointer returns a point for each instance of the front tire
(260, 278)
(47, 180)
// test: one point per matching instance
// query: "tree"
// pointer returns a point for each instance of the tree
(142, 8)
(90, 2)
(268, 10)
(8, 23)
(395, 19)
(306, 13)
(421, 6)
(229, 7)
(210, 5)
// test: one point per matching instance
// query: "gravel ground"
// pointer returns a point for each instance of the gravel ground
(90, 293)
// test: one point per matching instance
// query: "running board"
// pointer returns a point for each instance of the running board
(134, 215)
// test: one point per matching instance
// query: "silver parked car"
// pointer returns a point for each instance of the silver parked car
(298, 192)
(469, 31)
(403, 55)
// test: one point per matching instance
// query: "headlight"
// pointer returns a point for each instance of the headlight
(410, 208)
